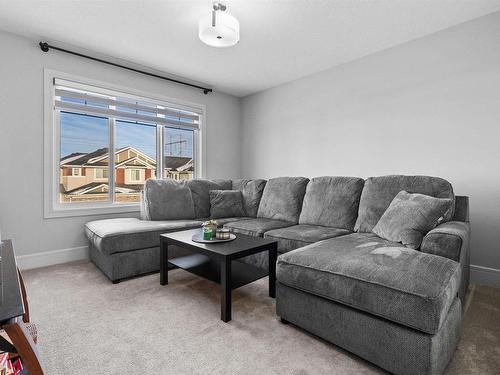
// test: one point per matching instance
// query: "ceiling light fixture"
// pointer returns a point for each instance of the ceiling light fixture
(219, 29)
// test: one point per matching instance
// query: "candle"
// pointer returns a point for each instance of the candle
(222, 234)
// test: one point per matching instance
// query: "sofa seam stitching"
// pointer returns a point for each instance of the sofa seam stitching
(281, 261)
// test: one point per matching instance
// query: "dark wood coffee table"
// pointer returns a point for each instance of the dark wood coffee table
(215, 262)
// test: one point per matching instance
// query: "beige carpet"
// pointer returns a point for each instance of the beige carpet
(89, 326)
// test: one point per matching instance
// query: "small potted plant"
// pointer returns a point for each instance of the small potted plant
(209, 229)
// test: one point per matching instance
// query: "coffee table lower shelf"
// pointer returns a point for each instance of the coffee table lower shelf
(201, 265)
(221, 263)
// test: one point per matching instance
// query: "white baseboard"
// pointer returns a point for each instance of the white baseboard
(49, 258)
(484, 275)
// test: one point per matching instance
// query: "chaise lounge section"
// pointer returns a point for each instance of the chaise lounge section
(395, 306)
(127, 247)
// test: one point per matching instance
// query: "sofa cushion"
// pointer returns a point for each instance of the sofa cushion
(200, 190)
(168, 200)
(226, 203)
(332, 202)
(291, 238)
(255, 227)
(282, 199)
(409, 217)
(379, 192)
(125, 234)
(377, 276)
(251, 190)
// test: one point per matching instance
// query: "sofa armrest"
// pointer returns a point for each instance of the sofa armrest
(447, 240)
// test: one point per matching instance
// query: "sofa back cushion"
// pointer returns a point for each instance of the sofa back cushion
(226, 203)
(201, 197)
(167, 200)
(282, 199)
(379, 192)
(251, 191)
(332, 202)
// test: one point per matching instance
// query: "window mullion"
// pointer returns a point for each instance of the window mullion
(196, 154)
(111, 174)
(159, 151)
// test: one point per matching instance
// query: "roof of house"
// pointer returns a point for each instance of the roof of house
(98, 157)
(88, 188)
(95, 158)
(137, 163)
(137, 187)
(71, 157)
(81, 189)
(179, 163)
(84, 158)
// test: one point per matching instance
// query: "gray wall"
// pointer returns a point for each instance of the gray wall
(21, 139)
(431, 106)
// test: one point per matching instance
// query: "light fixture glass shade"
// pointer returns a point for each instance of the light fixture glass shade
(224, 32)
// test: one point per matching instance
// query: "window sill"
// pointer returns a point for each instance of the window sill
(90, 210)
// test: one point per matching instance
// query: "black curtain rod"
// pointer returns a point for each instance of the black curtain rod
(44, 46)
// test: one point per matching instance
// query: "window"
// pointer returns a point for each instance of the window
(101, 174)
(135, 175)
(150, 138)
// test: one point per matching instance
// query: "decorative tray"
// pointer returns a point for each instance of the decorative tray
(199, 238)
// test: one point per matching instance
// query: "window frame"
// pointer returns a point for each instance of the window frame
(52, 207)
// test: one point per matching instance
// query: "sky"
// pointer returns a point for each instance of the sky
(82, 133)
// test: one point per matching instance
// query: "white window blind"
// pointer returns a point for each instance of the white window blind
(72, 97)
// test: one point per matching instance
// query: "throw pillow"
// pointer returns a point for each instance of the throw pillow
(251, 192)
(410, 216)
(226, 203)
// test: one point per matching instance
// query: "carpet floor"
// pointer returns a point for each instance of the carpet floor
(87, 325)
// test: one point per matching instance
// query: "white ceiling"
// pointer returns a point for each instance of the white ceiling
(281, 40)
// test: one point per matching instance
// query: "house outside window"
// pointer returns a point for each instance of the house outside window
(151, 138)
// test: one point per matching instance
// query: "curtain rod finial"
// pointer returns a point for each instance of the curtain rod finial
(44, 46)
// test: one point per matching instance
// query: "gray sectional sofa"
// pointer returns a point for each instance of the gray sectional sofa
(397, 307)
